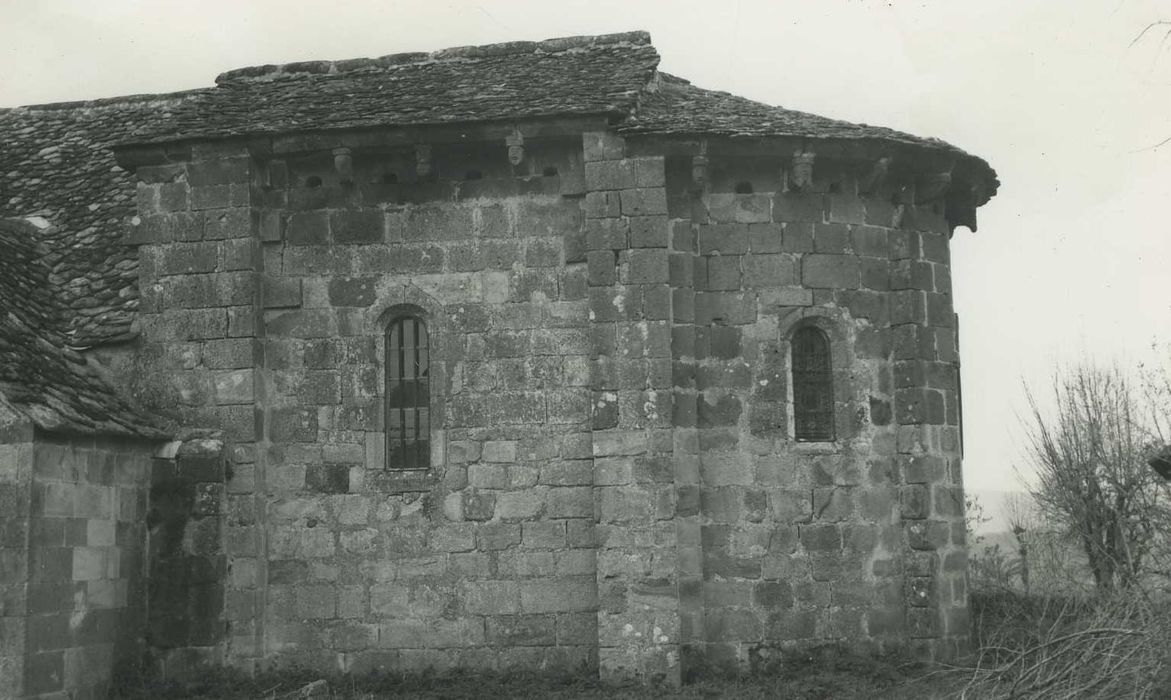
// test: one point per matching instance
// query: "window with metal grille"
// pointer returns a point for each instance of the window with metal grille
(408, 395)
(813, 386)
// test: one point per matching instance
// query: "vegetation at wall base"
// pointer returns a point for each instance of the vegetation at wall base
(819, 673)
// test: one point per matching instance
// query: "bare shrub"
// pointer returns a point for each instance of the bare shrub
(1070, 647)
(1093, 482)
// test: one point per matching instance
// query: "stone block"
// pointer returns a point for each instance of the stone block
(603, 268)
(547, 534)
(216, 196)
(724, 239)
(487, 476)
(519, 505)
(619, 443)
(919, 406)
(798, 207)
(576, 472)
(352, 291)
(569, 502)
(602, 205)
(904, 244)
(935, 247)
(610, 174)
(521, 630)
(649, 171)
(44, 672)
(219, 171)
(739, 208)
(602, 145)
(732, 625)
(452, 538)
(643, 201)
(358, 226)
(498, 536)
(431, 634)
(830, 271)
(845, 208)
(875, 274)
(821, 538)
(833, 239)
(648, 232)
(234, 387)
(729, 308)
(491, 597)
(188, 258)
(647, 266)
(715, 411)
(722, 272)
(770, 271)
(563, 595)
(220, 224)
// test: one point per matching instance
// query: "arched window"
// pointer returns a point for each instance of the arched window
(408, 394)
(813, 386)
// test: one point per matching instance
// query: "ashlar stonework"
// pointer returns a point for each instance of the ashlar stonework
(603, 268)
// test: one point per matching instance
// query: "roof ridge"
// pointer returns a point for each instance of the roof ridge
(116, 101)
(553, 46)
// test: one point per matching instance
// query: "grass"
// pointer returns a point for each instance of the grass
(821, 673)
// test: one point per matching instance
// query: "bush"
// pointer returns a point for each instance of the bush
(1069, 646)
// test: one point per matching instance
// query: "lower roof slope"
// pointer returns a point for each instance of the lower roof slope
(56, 163)
(40, 375)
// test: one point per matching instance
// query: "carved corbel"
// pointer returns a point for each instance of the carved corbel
(343, 165)
(423, 159)
(516, 147)
(876, 177)
(933, 187)
(801, 173)
(699, 173)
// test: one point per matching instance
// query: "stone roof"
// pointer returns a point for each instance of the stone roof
(40, 376)
(56, 163)
(574, 76)
(676, 107)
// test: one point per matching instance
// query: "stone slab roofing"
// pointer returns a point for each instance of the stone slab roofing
(40, 376)
(56, 163)
(573, 76)
(675, 107)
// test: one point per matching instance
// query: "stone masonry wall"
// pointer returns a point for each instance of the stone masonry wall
(633, 441)
(200, 267)
(86, 585)
(487, 559)
(856, 539)
(613, 476)
(16, 461)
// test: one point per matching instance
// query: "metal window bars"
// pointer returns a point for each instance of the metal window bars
(408, 395)
(813, 391)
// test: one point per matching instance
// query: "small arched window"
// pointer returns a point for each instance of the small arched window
(813, 386)
(408, 394)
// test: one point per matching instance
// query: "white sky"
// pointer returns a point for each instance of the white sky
(1072, 258)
